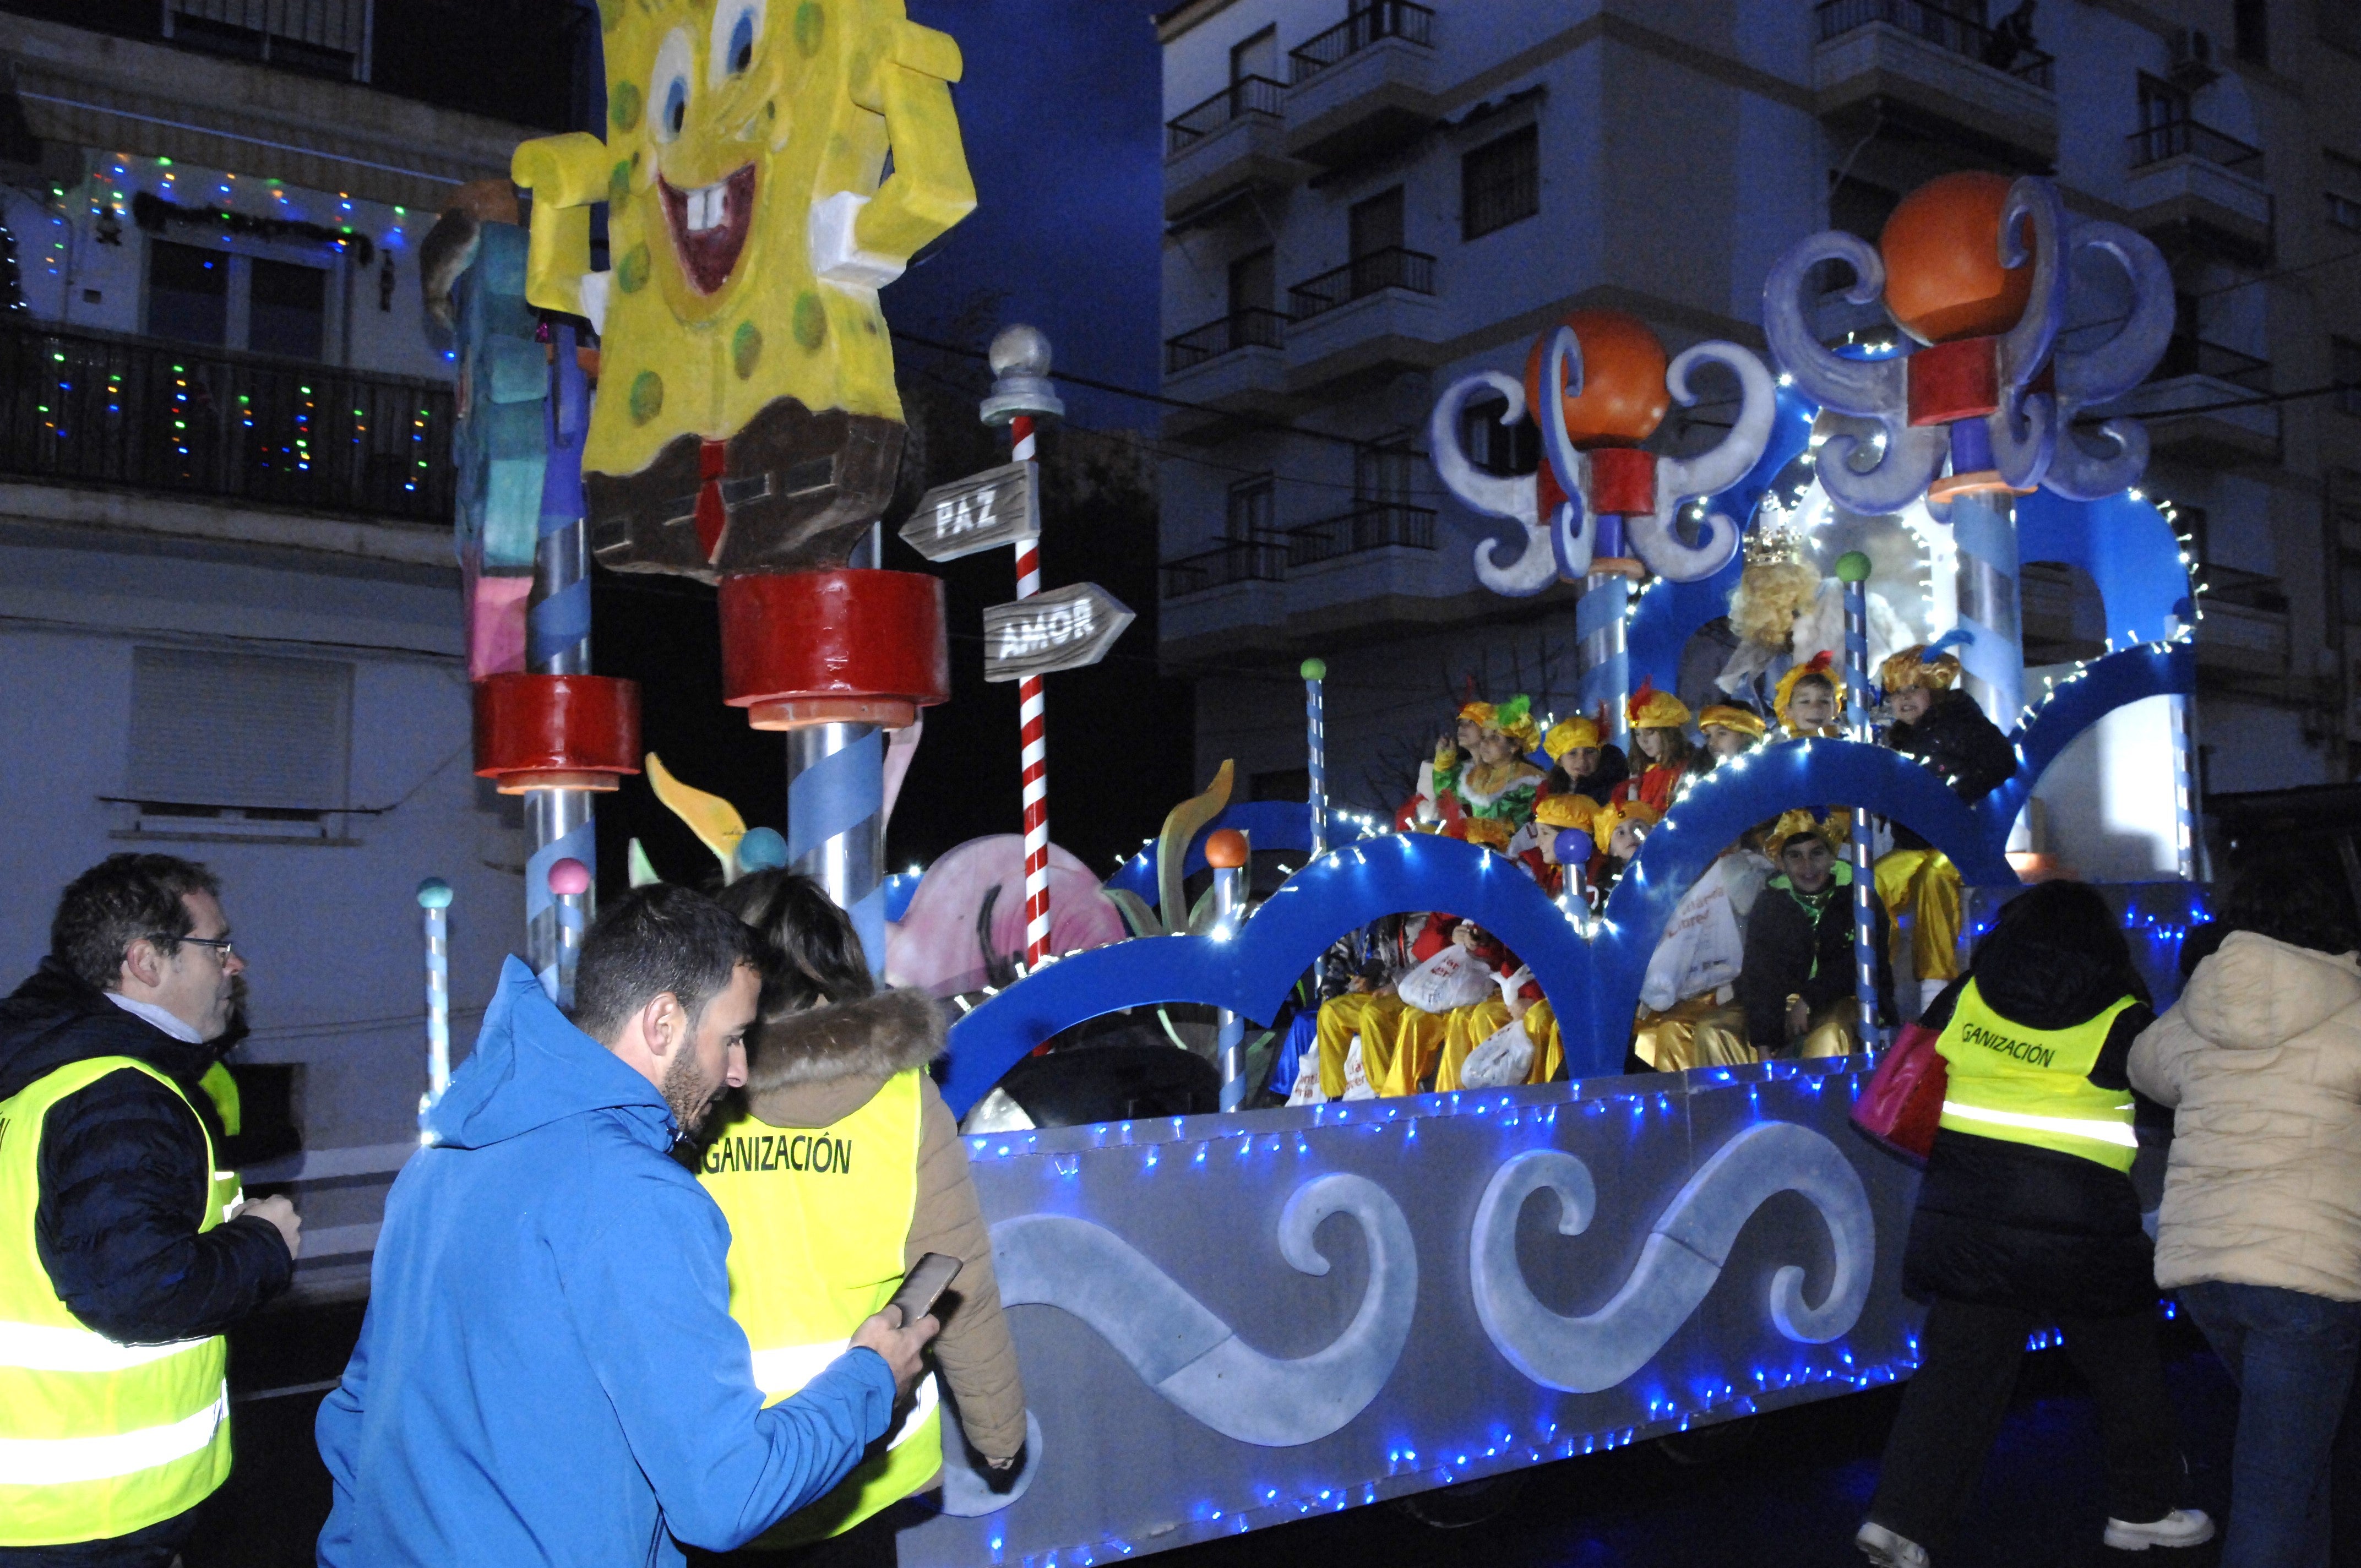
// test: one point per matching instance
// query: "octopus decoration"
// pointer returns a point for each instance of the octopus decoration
(1977, 270)
(1608, 387)
(1682, 1256)
(1193, 1358)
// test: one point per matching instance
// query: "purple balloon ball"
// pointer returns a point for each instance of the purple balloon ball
(569, 878)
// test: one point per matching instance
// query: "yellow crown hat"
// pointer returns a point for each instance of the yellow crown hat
(1610, 818)
(1567, 734)
(1835, 831)
(1489, 831)
(1574, 811)
(1730, 716)
(1514, 718)
(1652, 710)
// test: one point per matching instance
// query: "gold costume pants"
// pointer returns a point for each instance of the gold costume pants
(1925, 885)
(1370, 1015)
(1834, 1030)
(1696, 1032)
(1467, 1027)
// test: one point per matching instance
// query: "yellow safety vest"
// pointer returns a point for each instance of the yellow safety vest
(2031, 1086)
(96, 1439)
(818, 1217)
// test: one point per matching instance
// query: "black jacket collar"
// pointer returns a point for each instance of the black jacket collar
(54, 1020)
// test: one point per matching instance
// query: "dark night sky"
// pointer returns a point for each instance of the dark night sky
(1062, 114)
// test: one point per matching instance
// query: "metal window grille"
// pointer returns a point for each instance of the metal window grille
(1501, 182)
(236, 730)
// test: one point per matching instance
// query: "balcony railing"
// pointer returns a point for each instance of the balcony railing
(2154, 144)
(1945, 29)
(153, 415)
(1370, 525)
(1233, 561)
(1381, 19)
(1393, 268)
(2185, 355)
(1250, 328)
(1246, 96)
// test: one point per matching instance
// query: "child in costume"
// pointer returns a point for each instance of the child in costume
(1943, 728)
(1618, 831)
(1659, 741)
(1368, 1011)
(1583, 762)
(1728, 730)
(1500, 784)
(1796, 985)
(1561, 824)
(1811, 700)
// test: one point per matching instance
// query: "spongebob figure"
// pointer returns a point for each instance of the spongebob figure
(747, 420)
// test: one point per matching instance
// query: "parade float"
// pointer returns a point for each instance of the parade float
(1246, 1315)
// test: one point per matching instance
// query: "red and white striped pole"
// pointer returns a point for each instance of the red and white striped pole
(1020, 394)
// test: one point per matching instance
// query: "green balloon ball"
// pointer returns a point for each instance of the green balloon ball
(1852, 566)
(1315, 669)
(435, 893)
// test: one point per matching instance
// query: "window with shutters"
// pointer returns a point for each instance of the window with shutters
(1501, 182)
(237, 741)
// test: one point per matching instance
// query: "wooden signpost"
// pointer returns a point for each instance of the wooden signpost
(982, 511)
(1063, 629)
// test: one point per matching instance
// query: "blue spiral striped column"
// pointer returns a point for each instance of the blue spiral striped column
(1852, 570)
(2184, 789)
(558, 822)
(1983, 527)
(435, 904)
(836, 822)
(1599, 620)
(1315, 727)
(1230, 1036)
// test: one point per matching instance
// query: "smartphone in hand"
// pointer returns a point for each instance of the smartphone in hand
(924, 1285)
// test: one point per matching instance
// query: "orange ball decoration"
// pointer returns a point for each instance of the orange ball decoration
(1943, 276)
(1226, 851)
(1623, 398)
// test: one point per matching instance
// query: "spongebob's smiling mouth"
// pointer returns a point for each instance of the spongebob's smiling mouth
(709, 225)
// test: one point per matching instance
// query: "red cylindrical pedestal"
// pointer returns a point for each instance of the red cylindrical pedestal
(1622, 481)
(852, 645)
(1952, 381)
(556, 731)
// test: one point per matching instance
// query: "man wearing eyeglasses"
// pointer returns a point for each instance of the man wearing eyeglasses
(126, 1247)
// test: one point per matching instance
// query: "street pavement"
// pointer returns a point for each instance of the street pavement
(1779, 1491)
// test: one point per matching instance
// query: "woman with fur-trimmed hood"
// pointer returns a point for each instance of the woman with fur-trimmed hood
(834, 1060)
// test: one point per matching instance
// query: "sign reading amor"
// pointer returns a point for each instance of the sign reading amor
(999, 505)
(1061, 630)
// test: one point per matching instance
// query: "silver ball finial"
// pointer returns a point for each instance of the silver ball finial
(1020, 376)
(1019, 350)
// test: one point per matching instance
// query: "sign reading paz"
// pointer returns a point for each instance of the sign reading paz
(999, 505)
(1064, 629)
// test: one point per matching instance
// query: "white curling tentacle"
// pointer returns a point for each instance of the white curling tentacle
(1683, 1254)
(1193, 1358)
(1680, 478)
(1859, 387)
(1516, 498)
(2096, 375)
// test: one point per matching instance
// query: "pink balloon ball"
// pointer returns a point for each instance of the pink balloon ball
(569, 877)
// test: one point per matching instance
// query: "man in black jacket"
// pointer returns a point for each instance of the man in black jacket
(1943, 728)
(1795, 981)
(140, 1252)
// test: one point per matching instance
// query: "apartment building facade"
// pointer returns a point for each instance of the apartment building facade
(1366, 201)
(229, 607)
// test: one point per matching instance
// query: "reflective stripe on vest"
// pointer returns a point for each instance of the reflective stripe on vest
(2032, 1086)
(818, 1219)
(97, 1439)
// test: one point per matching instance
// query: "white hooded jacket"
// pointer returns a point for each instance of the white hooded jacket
(2261, 1061)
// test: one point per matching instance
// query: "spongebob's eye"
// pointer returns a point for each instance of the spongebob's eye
(668, 86)
(737, 25)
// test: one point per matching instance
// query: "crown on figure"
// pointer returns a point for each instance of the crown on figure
(1777, 536)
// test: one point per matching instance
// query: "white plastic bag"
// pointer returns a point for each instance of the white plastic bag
(1504, 1060)
(1453, 978)
(1701, 947)
(1307, 1089)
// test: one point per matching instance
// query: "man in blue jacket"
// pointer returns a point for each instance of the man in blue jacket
(548, 1372)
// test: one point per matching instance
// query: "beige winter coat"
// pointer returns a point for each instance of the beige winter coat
(814, 1068)
(2261, 1061)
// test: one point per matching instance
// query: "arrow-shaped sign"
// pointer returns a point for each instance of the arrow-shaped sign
(1064, 629)
(999, 505)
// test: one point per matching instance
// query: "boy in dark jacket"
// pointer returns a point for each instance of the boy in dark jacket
(1943, 728)
(1796, 986)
